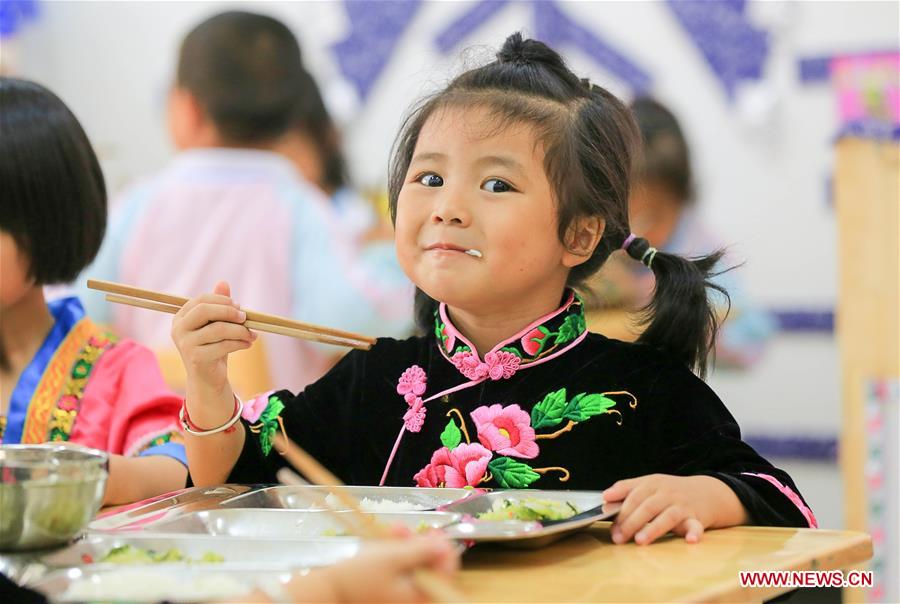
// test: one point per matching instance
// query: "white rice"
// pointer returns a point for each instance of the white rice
(377, 505)
(153, 586)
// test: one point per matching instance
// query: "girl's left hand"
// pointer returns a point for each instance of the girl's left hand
(656, 504)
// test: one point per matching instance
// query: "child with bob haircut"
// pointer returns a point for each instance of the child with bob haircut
(63, 378)
(508, 189)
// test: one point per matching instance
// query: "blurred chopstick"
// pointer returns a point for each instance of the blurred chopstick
(318, 474)
(162, 302)
(288, 477)
(435, 586)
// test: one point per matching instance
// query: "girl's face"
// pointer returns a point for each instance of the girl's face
(14, 279)
(473, 186)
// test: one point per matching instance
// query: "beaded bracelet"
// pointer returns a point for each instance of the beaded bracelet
(191, 428)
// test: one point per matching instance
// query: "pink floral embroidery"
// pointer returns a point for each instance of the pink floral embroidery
(531, 341)
(790, 494)
(68, 402)
(463, 466)
(467, 363)
(412, 382)
(506, 430)
(415, 416)
(255, 407)
(496, 365)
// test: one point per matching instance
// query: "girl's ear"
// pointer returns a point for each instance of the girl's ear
(582, 238)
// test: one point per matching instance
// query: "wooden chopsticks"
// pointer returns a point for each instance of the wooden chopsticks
(162, 302)
(435, 586)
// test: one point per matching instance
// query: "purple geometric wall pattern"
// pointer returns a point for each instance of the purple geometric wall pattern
(375, 28)
(13, 13)
(553, 26)
(457, 31)
(733, 47)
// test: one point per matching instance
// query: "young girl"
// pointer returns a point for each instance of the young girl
(508, 188)
(62, 378)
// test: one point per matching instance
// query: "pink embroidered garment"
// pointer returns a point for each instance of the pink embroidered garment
(85, 386)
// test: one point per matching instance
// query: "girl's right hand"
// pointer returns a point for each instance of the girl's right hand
(206, 330)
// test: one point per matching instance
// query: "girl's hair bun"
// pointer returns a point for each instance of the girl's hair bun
(520, 51)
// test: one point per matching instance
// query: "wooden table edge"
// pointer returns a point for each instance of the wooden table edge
(860, 551)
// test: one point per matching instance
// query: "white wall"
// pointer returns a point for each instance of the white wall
(762, 174)
(762, 186)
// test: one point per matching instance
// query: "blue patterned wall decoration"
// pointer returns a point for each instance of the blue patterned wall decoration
(375, 29)
(553, 26)
(13, 13)
(733, 47)
(448, 39)
(813, 70)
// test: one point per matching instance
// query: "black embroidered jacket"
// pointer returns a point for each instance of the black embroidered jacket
(554, 407)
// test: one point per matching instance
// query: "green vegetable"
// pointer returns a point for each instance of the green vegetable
(530, 508)
(128, 554)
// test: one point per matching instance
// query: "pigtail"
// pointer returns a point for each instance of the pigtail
(680, 319)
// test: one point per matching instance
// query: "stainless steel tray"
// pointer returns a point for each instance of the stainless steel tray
(284, 553)
(298, 512)
(288, 524)
(526, 533)
(135, 516)
(371, 498)
(268, 555)
(173, 583)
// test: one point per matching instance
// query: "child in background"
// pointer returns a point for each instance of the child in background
(61, 377)
(662, 208)
(230, 206)
(509, 188)
(313, 144)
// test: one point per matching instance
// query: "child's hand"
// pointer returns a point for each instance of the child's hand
(383, 572)
(205, 331)
(686, 505)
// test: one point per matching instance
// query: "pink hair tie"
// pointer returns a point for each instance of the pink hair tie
(628, 241)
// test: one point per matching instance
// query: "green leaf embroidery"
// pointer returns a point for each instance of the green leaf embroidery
(588, 406)
(513, 350)
(570, 329)
(439, 332)
(549, 412)
(272, 411)
(451, 436)
(268, 422)
(572, 411)
(512, 474)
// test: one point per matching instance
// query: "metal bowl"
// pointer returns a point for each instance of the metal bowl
(48, 493)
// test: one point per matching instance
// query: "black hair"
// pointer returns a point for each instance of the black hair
(590, 143)
(54, 196)
(311, 117)
(665, 158)
(245, 70)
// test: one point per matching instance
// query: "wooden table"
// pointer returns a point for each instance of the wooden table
(587, 567)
